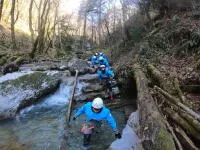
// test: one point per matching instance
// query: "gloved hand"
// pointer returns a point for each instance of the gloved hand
(118, 135)
(74, 118)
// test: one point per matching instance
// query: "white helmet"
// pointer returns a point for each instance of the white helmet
(102, 66)
(94, 57)
(101, 53)
(97, 103)
(100, 58)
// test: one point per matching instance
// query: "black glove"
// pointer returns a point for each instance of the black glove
(118, 135)
(74, 118)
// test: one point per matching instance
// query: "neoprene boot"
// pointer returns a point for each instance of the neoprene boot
(86, 139)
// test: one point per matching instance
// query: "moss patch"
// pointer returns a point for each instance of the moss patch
(164, 140)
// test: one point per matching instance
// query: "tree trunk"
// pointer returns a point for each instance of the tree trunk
(123, 21)
(34, 49)
(160, 80)
(54, 26)
(38, 44)
(84, 29)
(180, 121)
(178, 103)
(152, 127)
(13, 25)
(30, 20)
(46, 8)
(60, 37)
(99, 22)
(187, 139)
(114, 20)
(174, 136)
(168, 84)
(192, 121)
(92, 29)
(1, 8)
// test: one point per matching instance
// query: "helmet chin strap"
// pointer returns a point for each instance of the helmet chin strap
(96, 111)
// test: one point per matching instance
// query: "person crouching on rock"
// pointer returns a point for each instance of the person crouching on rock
(95, 112)
(105, 77)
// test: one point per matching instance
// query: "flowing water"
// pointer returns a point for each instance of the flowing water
(41, 126)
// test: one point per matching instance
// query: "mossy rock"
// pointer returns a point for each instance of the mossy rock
(24, 91)
(164, 140)
(198, 64)
(3, 61)
(20, 60)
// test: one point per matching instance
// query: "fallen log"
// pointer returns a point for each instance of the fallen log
(180, 93)
(68, 116)
(187, 139)
(174, 136)
(160, 80)
(168, 84)
(177, 102)
(191, 120)
(180, 121)
(152, 127)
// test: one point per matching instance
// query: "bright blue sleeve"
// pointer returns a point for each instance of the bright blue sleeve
(92, 60)
(111, 121)
(110, 73)
(99, 75)
(107, 64)
(80, 111)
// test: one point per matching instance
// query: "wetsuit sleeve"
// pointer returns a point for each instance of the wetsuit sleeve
(111, 73)
(80, 111)
(107, 64)
(99, 75)
(111, 121)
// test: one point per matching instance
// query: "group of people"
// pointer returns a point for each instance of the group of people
(105, 74)
(95, 111)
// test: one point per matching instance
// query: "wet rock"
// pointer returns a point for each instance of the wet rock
(9, 68)
(92, 88)
(78, 64)
(25, 90)
(89, 78)
(90, 96)
(115, 91)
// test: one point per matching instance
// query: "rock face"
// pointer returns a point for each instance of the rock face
(78, 64)
(93, 89)
(9, 68)
(24, 91)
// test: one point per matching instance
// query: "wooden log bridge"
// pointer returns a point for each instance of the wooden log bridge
(69, 110)
(152, 131)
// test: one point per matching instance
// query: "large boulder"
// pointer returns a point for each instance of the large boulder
(25, 90)
(78, 64)
(9, 68)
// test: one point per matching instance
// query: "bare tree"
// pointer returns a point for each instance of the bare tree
(39, 42)
(13, 25)
(56, 3)
(30, 20)
(1, 8)
(124, 13)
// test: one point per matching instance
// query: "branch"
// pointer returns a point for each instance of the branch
(176, 101)
(184, 135)
(174, 136)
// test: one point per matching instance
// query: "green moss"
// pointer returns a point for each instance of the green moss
(164, 140)
(31, 81)
(198, 64)
(19, 60)
(3, 61)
